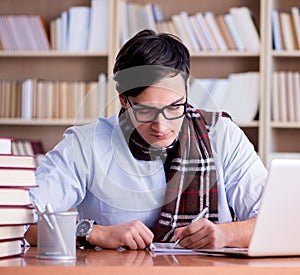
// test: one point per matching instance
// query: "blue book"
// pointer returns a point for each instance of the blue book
(277, 42)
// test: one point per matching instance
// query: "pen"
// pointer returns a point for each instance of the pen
(201, 215)
(43, 215)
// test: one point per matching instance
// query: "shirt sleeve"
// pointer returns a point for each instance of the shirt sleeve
(63, 174)
(241, 170)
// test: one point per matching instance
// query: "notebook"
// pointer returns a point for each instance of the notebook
(277, 228)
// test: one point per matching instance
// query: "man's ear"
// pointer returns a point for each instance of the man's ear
(123, 101)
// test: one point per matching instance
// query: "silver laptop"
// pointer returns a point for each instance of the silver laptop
(277, 228)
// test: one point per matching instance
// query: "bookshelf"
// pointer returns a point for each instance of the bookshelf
(47, 65)
(280, 137)
(268, 136)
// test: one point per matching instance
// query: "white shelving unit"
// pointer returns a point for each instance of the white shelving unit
(268, 137)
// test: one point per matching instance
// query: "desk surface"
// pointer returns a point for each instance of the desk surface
(110, 262)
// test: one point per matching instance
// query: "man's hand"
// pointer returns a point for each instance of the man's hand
(205, 234)
(134, 235)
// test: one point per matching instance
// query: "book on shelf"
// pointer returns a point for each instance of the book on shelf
(45, 99)
(225, 32)
(296, 84)
(206, 31)
(288, 31)
(6, 145)
(285, 98)
(21, 147)
(234, 31)
(24, 33)
(276, 31)
(238, 95)
(99, 26)
(189, 30)
(275, 105)
(78, 29)
(247, 29)
(182, 31)
(291, 108)
(282, 97)
(138, 17)
(296, 21)
(211, 20)
(11, 248)
(202, 41)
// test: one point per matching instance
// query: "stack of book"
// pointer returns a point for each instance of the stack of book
(45, 99)
(16, 177)
(201, 31)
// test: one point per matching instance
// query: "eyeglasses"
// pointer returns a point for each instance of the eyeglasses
(150, 114)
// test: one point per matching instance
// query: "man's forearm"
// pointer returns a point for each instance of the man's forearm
(238, 234)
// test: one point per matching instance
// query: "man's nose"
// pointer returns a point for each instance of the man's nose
(160, 123)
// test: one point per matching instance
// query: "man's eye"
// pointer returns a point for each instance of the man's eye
(173, 107)
(144, 111)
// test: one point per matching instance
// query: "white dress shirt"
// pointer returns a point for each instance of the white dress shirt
(93, 170)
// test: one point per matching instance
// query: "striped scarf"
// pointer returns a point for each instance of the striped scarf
(189, 169)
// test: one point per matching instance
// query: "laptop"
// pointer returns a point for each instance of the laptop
(277, 228)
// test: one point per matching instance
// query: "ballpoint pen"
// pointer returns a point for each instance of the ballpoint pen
(201, 215)
(43, 215)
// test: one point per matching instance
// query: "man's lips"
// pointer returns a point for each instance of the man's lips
(162, 136)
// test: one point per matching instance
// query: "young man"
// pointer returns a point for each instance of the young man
(144, 174)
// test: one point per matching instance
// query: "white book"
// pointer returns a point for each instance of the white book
(79, 19)
(64, 30)
(199, 33)
(102, 98)
(58, 38)
(236, 36)
(124, 31)
(91, 100)
(243, 96)
(276, 30)
(210, 17)
(247, 28)
(79, 98)
(132, 18)
(180, 29)
(4, 34)
(190, 31)
(49, 97)
(290, 97)
(287, 32)
(5, 145)
(38, 26)
(149, 16)
(296, 79)
(275, 97)
(282, 97)
(27, 93)
(63, 99)
(99, 25)
(296, 21)
(207, 33)
(11, 35)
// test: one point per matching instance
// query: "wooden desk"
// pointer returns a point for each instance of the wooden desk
(111, 262)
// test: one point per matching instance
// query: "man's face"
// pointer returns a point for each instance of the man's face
(167, 94)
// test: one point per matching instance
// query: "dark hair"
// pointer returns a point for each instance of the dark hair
(148, 57)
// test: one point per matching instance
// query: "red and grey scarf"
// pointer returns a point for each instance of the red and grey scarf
(189, 169)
